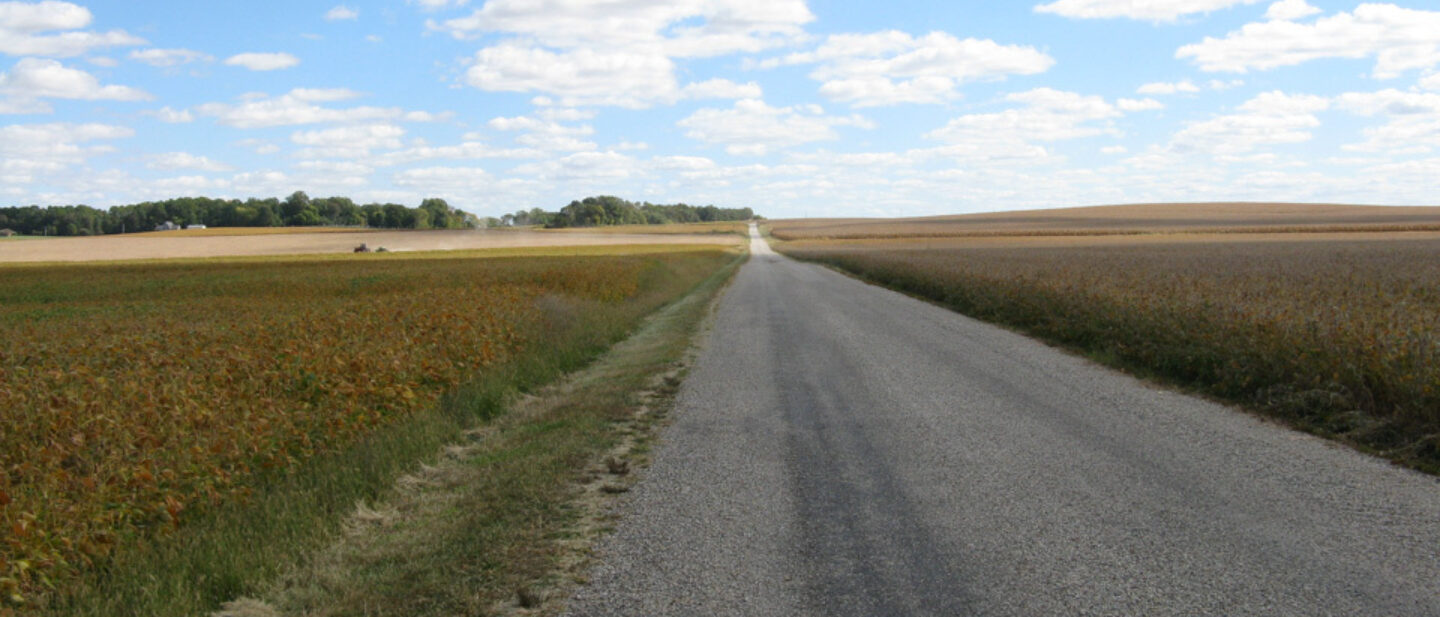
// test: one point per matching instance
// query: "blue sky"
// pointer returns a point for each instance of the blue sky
(794, 108)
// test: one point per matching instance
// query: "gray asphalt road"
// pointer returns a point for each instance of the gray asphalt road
(844, 450)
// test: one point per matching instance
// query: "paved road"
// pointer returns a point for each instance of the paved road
(844, 450)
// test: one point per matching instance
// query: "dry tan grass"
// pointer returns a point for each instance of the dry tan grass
(165, 245)
(1128, 219)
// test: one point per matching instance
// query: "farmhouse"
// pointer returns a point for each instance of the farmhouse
(167, 226)
(7, 232)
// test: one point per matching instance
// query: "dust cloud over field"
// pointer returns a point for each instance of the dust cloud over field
(162, 246)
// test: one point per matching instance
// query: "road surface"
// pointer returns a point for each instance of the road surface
(840, 449)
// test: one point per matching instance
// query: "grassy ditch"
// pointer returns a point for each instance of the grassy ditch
(217, 476)
(1336, 338)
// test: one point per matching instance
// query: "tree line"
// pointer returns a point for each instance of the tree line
(610, 210)
(298, 209)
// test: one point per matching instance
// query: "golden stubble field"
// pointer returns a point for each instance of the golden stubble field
(1271, 306)
(290, 241)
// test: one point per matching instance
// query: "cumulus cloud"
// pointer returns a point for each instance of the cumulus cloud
(753, 127)
(1412, 120)
(299, 106)
(169, 57)
(263, 61)
(1043, 115)
(546, 135)
(171, 161)
(886, 68)
(582, 166)
(341, 12)
(1399, 39)
(1149, 10)
(1291, 10)
(617, 53)
(1268, 119)
(36, 78)
(172, 116)
(355, 141)
(27, 149)
(579, 77)
(24, 27)
(722, 89)
(1139, 104)
(1161, 87)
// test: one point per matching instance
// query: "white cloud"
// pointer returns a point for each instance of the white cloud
(348, 141)
(547, 135)
(341, 12)
(891, 67)
(296, 107)
(579, 77)
(1114, 150)
(1045, 115)
(1400, 39)
(1290, 10)
(1161, 87)
(27, 149)
(582, 166)
(1268, 119)
(1430, 82)
(1413, 120)
(618, 52)
(169, 57)
(435, 5)
(722, 89)
(1150, 10)
(35, 78)
(680, 28)
(171, 161)
(1139, 105)
(22, 25)
(171, 116)
(263, 61)
(466, 150)
(444, 179)
(753, 127)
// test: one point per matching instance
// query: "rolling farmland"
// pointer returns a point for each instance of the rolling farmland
(140, 396)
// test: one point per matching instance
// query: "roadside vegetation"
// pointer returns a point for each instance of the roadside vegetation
(177, 433)
(1334, 334)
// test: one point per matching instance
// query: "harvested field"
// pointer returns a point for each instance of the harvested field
(167, 245)
(1332, 332)
(1128, 219)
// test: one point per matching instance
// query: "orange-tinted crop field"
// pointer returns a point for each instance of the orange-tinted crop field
(135, 396)
(1334, 333)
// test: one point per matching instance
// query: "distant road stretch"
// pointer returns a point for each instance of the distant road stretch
(840, 449)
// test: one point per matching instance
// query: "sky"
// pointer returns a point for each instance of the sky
(791, 107)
